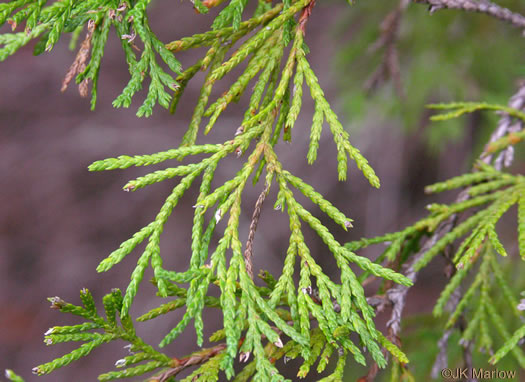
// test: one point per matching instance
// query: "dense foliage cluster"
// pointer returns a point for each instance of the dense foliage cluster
(303, 312)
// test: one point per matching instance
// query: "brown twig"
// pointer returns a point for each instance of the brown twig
(248, 252)
(305, 15)
(389, 67)
(193, 359)
(79, 64)
(480, 6)
(441, 361)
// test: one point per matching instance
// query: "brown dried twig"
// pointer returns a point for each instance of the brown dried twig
(79, 64)
(253, 227)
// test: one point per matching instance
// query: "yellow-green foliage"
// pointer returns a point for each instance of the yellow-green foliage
(303, 312)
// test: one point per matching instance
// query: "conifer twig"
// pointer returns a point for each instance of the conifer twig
(441, 361)
(193, 359)
(482, 6)
(305, 15)
(79, 64)
(506, 125)
(253, 227)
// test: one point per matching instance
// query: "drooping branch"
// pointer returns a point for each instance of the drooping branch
(397, 294)
(506, 125)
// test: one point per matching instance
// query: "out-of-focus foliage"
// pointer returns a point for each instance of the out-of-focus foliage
(446, 56)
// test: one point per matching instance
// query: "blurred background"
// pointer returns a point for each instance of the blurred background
(58, 221)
